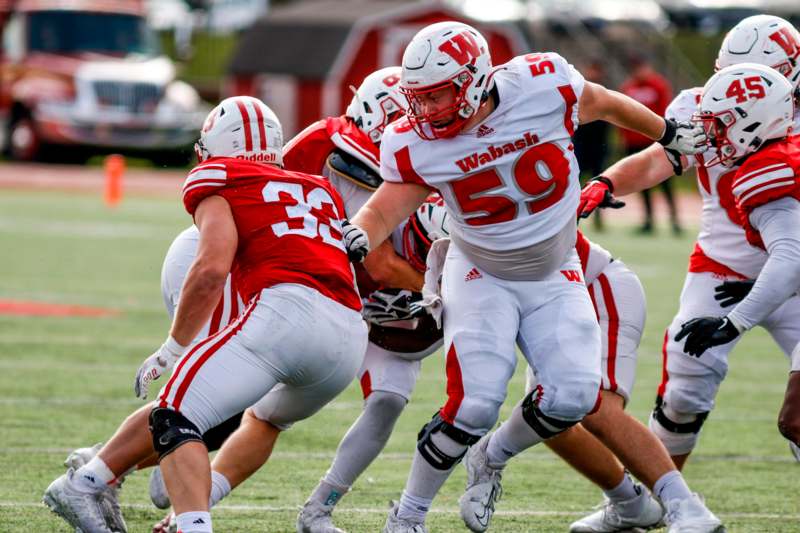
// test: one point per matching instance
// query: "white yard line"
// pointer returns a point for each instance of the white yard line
(406, 456)
(382, 510)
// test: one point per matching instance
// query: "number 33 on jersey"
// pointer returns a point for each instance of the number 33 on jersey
(512, 181)
(288, 224)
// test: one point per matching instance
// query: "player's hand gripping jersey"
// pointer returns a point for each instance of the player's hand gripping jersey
(289, 226)
(511, 182)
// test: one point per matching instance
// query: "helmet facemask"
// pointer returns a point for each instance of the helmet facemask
(716, 126)
(458, 113)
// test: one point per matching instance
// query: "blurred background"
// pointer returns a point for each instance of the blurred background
(137, 76)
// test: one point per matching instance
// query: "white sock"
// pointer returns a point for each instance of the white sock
(328, 493)
(93, 477)
(413, 508)
(220, 487)
(512, 437)
(424, 481)
(194, 522)
(626, 490)
(671, 486)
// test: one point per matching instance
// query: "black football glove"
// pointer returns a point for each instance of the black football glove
(391, 305)
(705, 332)
(732, 292)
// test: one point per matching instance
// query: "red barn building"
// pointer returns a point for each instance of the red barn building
(301, 59)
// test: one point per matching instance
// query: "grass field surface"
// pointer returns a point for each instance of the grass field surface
(68, 382)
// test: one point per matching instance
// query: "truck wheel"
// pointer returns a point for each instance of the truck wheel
(24, 143)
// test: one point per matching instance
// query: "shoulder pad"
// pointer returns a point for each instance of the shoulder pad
(353, 169)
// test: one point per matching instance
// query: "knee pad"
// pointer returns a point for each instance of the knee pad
(433, 453)
(170, 429)
(215, 436)
(677, 431)
(544, 426)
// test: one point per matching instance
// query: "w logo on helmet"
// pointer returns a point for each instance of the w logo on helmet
(784, 38)
(462, 47)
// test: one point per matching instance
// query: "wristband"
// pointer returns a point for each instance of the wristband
(173, 346)
(670, 129)
(606, 181)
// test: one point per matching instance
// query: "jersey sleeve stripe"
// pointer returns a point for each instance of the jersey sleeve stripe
(742, 187)
(360, 150)
(207, 174)
(204, 183)
(214, 166)
(759, 172)
(248, 135)
(570, 100)
(765, 187)
(407, 173)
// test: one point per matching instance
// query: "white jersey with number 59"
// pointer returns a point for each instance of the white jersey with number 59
(512, 181)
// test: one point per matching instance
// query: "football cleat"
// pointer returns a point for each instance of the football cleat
(483, 488)
(795, 450)
(168, 524)
(81, 510)
(641, 512)
(691, 516)
(158, 490)
(110, 497)
(395, 524)
(315, 517)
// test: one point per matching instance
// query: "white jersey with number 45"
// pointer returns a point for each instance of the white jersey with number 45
(512, 181)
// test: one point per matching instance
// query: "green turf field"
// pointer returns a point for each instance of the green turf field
(67, 382)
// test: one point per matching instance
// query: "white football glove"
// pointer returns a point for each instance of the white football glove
(391, 305)
(684, 138)
(355, 241)
(161, 361)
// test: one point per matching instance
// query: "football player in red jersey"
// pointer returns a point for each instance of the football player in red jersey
(262, 224)
(748, 111)
(496, 144)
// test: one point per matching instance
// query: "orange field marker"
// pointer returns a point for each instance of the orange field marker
(114, 166)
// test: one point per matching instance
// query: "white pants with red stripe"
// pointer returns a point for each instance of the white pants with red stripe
(690, 384)
(620, 306)
(291, 352)
(485, 318)
(387, 371)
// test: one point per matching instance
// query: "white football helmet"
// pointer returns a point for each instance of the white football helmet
(377, 102)
(446, 54)
(763, 39)
(428, 223)
(242, 127)
(742, 107)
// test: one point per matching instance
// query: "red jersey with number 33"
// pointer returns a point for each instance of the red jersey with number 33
(768, 175)
(288, 223)
(512, 180)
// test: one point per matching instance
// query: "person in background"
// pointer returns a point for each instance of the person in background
(650, 88)
(591, 139)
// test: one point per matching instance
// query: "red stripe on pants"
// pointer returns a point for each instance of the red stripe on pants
(366, 385)
(179, 368)
(613, 330)
(455, 386)
(664, 374)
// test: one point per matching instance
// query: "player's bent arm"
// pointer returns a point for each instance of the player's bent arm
(390, 270)
(206, 277)
(780, 277)
(640, 171)
(598, 103)
(387, 208)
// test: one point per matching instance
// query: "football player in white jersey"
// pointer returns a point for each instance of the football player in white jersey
(496, 144)
(752, 128)
(722, 260)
